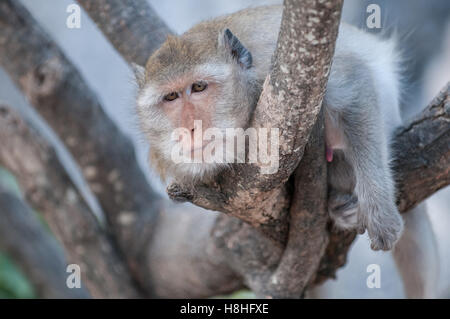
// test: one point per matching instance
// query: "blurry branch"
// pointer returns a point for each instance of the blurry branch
(23, 238)
(105, 155)
(132, 26)
(49, 189)
(193, 253)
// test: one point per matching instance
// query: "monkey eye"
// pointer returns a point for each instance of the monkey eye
(171, 96)
(199, 86)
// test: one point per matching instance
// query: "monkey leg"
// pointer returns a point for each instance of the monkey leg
(354, 125)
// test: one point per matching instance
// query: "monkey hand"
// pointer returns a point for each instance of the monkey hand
(384, 224)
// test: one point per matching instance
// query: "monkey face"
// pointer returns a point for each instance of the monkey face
(214, 93)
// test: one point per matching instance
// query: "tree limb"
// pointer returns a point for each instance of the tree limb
(105, 155)
(133, 27)
(308, 236)
(268, 268)
(50, 190)
(23, 238)
(422, 147)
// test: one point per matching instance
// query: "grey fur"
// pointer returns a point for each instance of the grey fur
(365, 150)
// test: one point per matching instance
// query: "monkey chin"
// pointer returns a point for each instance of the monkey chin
(196, 172)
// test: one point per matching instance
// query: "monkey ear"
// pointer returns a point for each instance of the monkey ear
(139, 74)
(235, 48)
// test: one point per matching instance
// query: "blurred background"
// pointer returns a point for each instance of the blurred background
(422, 26)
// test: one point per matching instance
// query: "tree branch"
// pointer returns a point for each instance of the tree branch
(23, 238)
(50, 190)
(422, 147)
(105, 155)
(268, 268)
(308, 236)
(132, 26)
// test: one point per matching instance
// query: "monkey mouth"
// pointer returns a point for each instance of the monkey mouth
(202, 147)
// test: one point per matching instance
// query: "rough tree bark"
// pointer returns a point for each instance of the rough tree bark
(48, 188)
(132, 20)
(33, 249)
(423, 153)
(105, 155)
(197, 254)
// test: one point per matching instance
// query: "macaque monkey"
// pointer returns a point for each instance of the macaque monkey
(214, 73)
